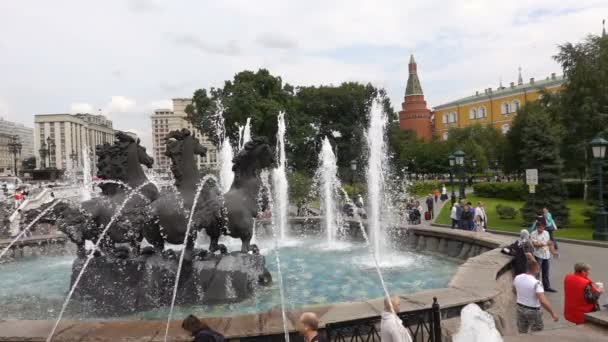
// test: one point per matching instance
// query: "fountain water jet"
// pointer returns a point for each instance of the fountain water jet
(375, 176)
(87, 177)
(26, 229)
(91, 254)
(328, 184)
(278, 259)
(201, 185)
(245, 134)
(225, 161)
(279, 180)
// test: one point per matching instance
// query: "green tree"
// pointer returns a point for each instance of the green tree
(340, 113)
(256, 95)
(482, 143)
(540, 149)
(583, 104)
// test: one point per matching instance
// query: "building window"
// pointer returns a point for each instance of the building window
(516, 105)
(473, 114)
(505, 108)
(505, 128)
(448, 118)
(481, 112)
(445, 136)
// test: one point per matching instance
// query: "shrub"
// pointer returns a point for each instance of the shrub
(505, 212)
(514, 191)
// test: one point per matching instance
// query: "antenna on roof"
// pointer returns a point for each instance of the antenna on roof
(603, 27)
(520, 80)
(500, 83)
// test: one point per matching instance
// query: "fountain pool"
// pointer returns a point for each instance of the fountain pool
(35, 288)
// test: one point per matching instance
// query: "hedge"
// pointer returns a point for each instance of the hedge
(514, 191)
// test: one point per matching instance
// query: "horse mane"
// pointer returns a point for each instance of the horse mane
(243, 159)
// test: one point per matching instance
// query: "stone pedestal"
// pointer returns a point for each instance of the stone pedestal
(111, 286)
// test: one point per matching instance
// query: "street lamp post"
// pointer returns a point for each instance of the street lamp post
(14, 147)
(600, 231)
(42, 151)
(459, 159)
(353, 170)
(452, 160)
(50, 149)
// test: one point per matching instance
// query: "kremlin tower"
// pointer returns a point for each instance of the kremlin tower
(415, 115)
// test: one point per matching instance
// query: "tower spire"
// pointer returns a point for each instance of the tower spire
(413, 83)
(520, 80)
(603, 27)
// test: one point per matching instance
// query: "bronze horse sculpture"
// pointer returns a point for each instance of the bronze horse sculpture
(120, 161)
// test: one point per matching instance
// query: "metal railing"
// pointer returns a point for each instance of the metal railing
(423, 325)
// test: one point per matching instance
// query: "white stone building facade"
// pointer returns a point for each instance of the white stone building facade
(167, 120)
(70, 133)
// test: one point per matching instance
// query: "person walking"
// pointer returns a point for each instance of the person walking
(444, 193)
(200, 330)
(551, 226)
(581, 294)
(454, 215)
(308, 327)
(542, 252)
(429, 205)
(391, 327)
(530, 297)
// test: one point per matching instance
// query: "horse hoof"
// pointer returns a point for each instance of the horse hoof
(254, 249)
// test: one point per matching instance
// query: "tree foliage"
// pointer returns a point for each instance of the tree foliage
(539, 148)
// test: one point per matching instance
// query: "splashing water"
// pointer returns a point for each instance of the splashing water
(372, 252)
(279, 181)
(328, 185)
(476, 325)
(199, 189)
(246, 137)
(226, 173)
(375, 176)
(87, 177)
(27, 229)
(136, 191)
(278, 260)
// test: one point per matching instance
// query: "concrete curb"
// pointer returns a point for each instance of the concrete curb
(572, 241)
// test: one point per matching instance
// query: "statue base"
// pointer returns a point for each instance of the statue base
(113, 286)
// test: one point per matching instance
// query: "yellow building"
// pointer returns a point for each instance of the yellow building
(496, 107)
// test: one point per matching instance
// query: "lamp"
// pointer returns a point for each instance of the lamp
(598, 147)
(600, 229)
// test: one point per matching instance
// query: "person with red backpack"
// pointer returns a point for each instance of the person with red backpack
(200, 330)
(581, 294)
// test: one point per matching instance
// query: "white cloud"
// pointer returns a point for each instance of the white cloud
(120, 104)
(158, 104)
(81, 107)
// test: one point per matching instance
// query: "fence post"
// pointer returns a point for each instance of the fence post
(436, 312)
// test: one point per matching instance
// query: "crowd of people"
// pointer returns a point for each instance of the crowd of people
(465, 216)
(532, 255)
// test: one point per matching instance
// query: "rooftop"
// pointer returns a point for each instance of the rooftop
(513, 88)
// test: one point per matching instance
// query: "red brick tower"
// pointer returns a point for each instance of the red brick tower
(415, 115)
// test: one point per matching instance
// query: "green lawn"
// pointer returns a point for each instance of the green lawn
(577, 229)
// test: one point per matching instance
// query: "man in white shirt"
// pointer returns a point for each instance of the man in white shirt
(541, 241)
(391, 327)
(530, 298)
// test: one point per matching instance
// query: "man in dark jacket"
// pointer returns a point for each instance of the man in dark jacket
(201, 331)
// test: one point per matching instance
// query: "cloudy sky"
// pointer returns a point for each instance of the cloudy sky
(128, 57)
